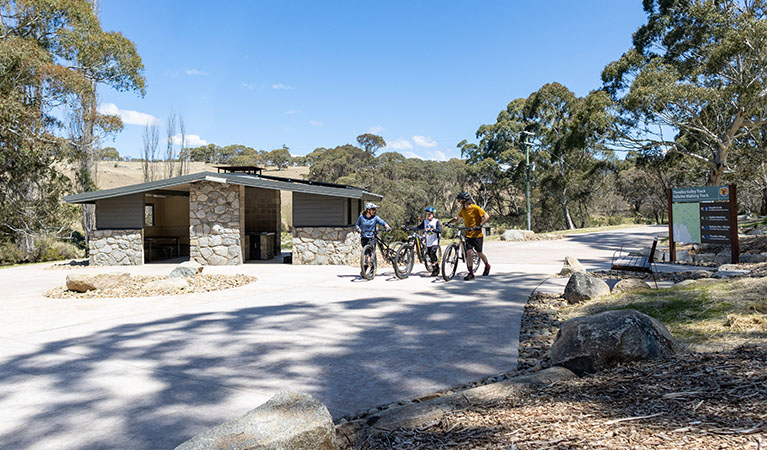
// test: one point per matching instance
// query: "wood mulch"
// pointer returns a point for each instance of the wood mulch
(715, 400)
(694, 401)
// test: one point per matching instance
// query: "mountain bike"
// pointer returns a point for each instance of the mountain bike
(416, 246)
(369, 258)
(456, 252)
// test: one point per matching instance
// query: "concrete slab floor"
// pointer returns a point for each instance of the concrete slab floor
(150, 373)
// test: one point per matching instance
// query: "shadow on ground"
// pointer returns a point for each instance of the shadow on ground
(154, 384)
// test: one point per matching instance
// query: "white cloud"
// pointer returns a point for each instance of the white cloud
(291, 111)
(281, 86)
(424, 141)
(190, 140)
(399, 144)
(128, 116)
(411, 155)
(316, 123)
(376, 129)
(196, 72)
(252, 87)
(438, 155)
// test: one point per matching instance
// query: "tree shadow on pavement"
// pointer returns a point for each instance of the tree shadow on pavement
(155, 383)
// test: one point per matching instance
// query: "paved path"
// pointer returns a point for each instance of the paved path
(150, 373)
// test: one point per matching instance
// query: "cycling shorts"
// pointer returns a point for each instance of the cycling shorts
(474, 243)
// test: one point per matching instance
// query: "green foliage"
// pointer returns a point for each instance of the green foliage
(408, 184)
(46, 248)
(694, 80)
(52, 54)
(371, 143)
(109, 154)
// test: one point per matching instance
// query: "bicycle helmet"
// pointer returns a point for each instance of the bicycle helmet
(431, 209)
(463, 196)
(370, 206)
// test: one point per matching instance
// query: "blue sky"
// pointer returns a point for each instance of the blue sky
(424, 75)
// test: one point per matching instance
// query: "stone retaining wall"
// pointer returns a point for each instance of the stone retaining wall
(116, 247)
(215, 223)
(325, 245)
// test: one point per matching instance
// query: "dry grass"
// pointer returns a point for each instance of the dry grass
(707, 316)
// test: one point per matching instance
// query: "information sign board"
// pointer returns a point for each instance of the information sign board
(705, 214)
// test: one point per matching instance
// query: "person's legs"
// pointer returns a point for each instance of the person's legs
(482, 256)
(434, 260)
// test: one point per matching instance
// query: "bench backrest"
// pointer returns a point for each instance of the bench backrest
(651, 258)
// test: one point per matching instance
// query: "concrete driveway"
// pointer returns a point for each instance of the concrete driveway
(150, 373)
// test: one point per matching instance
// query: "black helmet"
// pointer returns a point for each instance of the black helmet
(463, 196)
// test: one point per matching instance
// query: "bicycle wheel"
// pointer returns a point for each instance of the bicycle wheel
(368, 262)
(403, 262)
(450, 262)
(431, 265)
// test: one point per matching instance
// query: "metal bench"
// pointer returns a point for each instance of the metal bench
(636, 262)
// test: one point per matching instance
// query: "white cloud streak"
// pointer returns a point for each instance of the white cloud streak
(424, 141)
(195, 72)
(399, 144)
(190, 140)
(128, 116)
(376, 129)
(316, 123)
(282, 86)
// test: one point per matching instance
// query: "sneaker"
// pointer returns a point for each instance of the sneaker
(486, 271)
(435, 273)
(469, 277)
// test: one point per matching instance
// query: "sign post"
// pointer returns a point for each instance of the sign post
(707, 214)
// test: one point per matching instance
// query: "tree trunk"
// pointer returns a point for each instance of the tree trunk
(763, 205)
(566, 215)
(715, 175)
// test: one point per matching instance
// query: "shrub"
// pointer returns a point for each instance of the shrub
(10, 253)
(51, 249)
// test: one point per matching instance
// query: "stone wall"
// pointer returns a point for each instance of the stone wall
(116, 247)
(325, 245)
(215, 223)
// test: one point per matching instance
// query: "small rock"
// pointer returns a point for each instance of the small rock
(732, 273)
(186, 269)
(755, 232)
(582, 287)
(685, 283)
(571, 266)
(167, 285)
(81, 282)
(630, 284)
(513, 235)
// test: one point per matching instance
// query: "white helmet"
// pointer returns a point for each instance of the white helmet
(370, 205)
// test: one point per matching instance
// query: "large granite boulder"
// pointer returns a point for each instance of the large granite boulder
(571, 266)
(630, 284)
(582, 286)
(588, 344)
(186, 269)
(288, 421)
(83, 282)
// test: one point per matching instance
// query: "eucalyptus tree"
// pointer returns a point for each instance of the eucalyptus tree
(694, 80)
(567, 134)
(50, 55)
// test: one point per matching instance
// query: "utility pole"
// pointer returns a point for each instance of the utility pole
(527, 176)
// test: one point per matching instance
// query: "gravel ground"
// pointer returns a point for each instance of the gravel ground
(136, 287)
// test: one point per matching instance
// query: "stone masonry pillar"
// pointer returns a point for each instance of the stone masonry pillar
(215, 223)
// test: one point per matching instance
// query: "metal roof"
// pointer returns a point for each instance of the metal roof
(234, 178)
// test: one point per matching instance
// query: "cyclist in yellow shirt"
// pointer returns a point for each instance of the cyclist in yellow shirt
(474, 218)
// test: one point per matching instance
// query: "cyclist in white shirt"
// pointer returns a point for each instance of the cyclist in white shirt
(433, 229)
